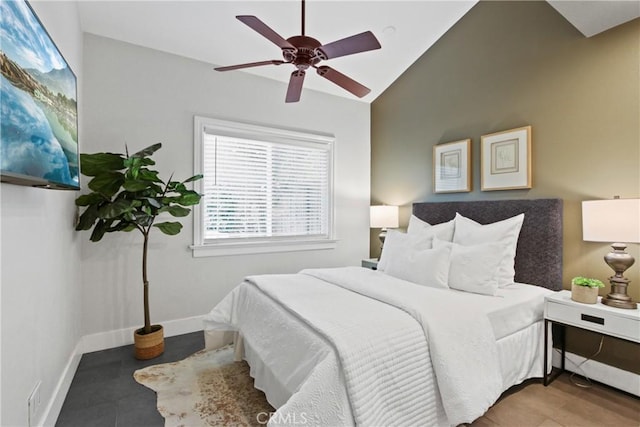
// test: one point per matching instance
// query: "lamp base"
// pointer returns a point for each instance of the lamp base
(382, 236)
(619, 261)
(618, 297)
(611, 302)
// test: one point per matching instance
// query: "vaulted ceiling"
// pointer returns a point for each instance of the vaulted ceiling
(208, 31)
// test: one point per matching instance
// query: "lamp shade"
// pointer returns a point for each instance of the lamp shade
(616, 220)
(384, 217)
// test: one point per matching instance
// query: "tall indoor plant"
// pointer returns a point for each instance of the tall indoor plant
(127, 195)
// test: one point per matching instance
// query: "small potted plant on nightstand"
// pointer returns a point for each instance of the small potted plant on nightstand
(585, 290)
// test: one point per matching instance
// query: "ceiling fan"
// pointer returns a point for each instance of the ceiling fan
(304, 52)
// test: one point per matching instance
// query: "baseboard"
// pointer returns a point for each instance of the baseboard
(606, 374)
(52, 411)
(120, 337)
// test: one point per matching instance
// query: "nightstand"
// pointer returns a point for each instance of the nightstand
(371, 263)
(560, 309)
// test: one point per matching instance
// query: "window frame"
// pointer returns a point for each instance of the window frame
(240, 246)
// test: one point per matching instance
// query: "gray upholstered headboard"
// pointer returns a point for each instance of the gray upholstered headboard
(539, 253)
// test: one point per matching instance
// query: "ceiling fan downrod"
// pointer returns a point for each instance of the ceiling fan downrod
(303, 17)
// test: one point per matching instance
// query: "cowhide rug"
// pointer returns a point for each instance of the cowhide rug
(206, 389)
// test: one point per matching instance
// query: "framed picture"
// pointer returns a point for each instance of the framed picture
(39, 114)
(506, 160)
(452, 167)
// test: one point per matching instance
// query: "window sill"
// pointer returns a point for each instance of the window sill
(246, 248)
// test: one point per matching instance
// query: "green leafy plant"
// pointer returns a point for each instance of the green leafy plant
(586, 281)
(127, 195)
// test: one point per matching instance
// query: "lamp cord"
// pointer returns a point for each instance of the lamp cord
(588, 384)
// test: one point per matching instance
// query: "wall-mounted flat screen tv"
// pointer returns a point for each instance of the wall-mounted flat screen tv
(39, 111)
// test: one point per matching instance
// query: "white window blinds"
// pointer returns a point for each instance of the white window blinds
(265, 189)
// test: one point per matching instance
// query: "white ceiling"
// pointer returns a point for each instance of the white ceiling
(592, 17)
(208, 31)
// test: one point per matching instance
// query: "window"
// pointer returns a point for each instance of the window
(264, 189)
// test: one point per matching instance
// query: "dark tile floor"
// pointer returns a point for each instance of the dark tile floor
(104, 393)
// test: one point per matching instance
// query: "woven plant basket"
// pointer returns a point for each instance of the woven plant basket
(148, 346)
(584, 294)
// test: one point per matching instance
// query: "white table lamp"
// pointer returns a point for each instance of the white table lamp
(383, 217)
(618, 221)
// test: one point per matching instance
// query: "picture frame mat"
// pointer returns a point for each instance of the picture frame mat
(452, 167)
(506, 160)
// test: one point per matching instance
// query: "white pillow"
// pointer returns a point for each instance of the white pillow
(444, 230)
(398, 244)
(468, 232)
(474, 268)
(428, 267)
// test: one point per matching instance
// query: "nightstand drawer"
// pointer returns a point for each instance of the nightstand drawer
(593, 319)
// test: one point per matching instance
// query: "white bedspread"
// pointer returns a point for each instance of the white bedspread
(515, 307)
(378, 346)
(383, 351)
(460, 337)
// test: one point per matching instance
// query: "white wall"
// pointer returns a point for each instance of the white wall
(41, 297)
(139, 96)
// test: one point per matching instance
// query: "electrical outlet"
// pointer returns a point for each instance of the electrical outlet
(33, 403)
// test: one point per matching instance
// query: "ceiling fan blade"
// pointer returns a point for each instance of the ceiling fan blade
(250, 64)
(262, 28)
(295, 86)
(347, 83)
(355, 44)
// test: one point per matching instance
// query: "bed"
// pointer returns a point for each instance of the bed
(352, 346)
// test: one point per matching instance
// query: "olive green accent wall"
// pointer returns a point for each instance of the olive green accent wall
(511, 64)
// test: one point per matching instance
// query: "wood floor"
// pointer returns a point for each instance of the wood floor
(104, 394)
(562, 404)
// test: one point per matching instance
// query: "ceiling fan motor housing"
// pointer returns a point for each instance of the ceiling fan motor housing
(304, 56)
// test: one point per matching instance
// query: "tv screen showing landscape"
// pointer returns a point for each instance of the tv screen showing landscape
(39, 114)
